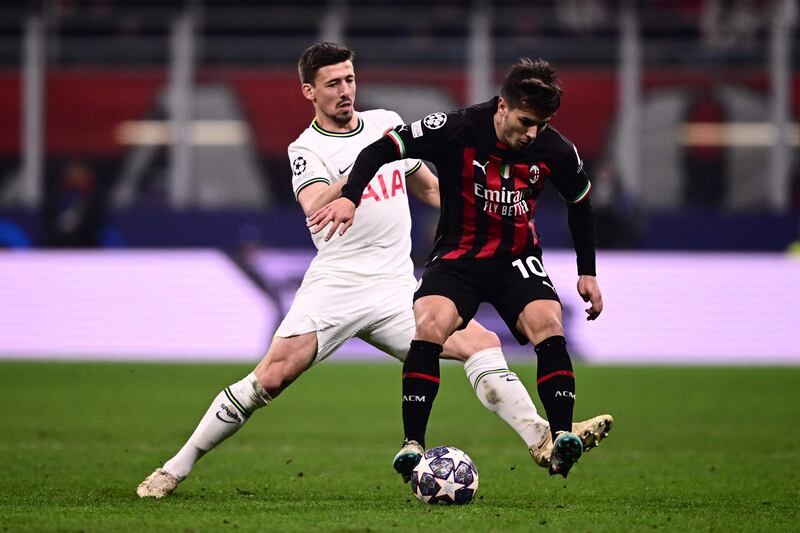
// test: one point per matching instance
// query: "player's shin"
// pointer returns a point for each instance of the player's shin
(556, 383)
(420, 385)
(228, 412)
(501, 392)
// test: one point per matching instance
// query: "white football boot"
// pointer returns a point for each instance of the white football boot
(157, 485)
(592, 431)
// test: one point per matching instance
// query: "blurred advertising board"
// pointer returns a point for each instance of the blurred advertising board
(129, 305)
(660, 308)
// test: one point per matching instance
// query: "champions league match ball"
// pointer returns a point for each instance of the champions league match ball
(445, 475)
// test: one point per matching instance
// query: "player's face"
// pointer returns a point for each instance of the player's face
(518, 127)
(333, 93)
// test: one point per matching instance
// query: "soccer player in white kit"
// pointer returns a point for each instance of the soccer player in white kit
(360, 284)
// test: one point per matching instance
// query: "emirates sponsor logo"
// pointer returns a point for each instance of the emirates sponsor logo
(503, 201)
(502, 196)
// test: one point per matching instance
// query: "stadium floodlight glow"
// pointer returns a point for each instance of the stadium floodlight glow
(735, 134)
(203, 132)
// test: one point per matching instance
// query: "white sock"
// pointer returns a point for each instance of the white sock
(227, 413)
(501, 391)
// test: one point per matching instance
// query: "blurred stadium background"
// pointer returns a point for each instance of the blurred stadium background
(146, 210)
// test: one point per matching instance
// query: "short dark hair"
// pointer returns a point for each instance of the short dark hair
(321, 55)
(532, 84)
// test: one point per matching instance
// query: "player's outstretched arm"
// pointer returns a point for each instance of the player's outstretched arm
(369, 160)
(339, 212)
(589, 290)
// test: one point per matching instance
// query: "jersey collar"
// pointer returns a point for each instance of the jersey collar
(355, 131)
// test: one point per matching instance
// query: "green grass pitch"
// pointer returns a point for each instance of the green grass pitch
(693, 449)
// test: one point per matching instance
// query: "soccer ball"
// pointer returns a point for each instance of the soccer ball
(445, 475)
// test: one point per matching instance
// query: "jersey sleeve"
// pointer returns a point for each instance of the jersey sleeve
(569, 176)
(307, 169)
(411, 165)
(423, 139)
(573, 185)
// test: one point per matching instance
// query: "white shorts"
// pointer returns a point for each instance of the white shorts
(379, 312)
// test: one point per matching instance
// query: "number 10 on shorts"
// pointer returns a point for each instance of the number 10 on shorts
(533, 265)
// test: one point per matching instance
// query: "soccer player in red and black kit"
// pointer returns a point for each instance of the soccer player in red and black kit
(493, 159)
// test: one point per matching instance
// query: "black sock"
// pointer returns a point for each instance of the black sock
(420, 385)
(556, 383)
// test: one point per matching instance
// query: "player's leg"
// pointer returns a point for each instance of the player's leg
(436, 318)
(504, 394)
(498, 388)
(446, 299)
(540, 322)
(286, 359)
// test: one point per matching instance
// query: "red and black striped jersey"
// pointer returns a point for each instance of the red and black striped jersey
(488, 191)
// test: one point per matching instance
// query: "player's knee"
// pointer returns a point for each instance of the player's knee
(549, 327)
(540, 323)
(431, 328)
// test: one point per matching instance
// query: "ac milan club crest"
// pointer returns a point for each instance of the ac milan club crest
(537, 171)
(533, 174)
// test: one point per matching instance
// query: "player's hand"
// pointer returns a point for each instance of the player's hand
(339, 212)
(589, 290)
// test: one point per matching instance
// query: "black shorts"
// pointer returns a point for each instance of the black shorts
(507, 283)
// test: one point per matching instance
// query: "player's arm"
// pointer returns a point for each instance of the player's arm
(417, 140)
(316, 195)
(581, 227)
(574, 187)
(423, 184)
(312, 182)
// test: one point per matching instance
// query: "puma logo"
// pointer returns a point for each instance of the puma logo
(482, 167)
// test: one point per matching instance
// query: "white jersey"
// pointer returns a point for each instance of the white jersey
(379, 241)
(360, 284)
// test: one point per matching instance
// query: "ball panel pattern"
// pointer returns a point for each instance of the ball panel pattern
(445, 476)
